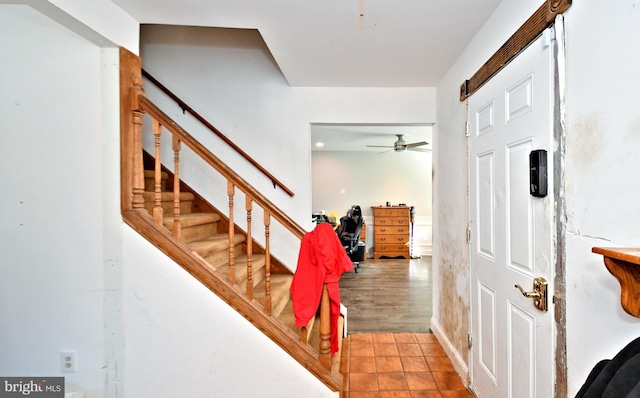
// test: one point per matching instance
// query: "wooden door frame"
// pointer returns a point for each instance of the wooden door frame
(541, 19)
(550, 13)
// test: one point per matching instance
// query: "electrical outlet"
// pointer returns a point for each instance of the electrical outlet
(68, 363)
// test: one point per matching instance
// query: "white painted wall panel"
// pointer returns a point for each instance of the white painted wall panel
(52, 287)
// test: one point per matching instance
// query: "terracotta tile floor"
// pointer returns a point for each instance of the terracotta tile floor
(399, 365)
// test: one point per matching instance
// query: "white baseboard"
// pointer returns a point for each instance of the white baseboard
(459, 364)
(423, 250)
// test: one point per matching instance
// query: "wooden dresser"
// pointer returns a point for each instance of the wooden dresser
(391, 231)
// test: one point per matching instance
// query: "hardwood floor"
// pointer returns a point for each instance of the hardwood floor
(388, 295)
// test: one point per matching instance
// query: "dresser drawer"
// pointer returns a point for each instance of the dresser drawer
(390, 212)
(391, 221)
(391, 239)
(379, 230)
(384, 212)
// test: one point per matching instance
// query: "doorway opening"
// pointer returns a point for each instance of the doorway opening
(365, 165)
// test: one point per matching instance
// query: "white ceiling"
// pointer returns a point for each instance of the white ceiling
(354, 137)
(342, 43)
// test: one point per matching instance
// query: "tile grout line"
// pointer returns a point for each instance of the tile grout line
(369, 340)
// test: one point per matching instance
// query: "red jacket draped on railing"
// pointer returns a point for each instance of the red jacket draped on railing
(322, 260)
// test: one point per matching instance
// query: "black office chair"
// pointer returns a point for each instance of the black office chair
(349, 234)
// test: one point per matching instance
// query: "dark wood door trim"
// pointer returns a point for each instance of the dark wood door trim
(534, 26)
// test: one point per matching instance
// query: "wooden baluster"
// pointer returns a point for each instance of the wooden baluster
(232, 272)
(157, 175)
(137, 167)
(325, 329)
(267, 254)
(248, 206)
(303, 335)
(177, 224)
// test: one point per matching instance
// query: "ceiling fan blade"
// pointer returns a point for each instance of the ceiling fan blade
(380, 146)
(415, 144)
(419, 149)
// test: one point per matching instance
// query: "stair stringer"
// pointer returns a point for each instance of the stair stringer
(230, 294)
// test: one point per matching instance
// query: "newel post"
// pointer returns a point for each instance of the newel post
(325, 329)
(232, 256)
(137, 167)
(131, 177)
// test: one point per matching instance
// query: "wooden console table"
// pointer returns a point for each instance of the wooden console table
(624, 264)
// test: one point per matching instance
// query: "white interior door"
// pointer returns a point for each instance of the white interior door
(511, 230)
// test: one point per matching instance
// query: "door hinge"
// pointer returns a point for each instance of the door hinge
(466, 129)
(468, 235)
(470, 340)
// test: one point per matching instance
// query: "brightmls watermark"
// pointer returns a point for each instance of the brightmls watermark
(40, 387)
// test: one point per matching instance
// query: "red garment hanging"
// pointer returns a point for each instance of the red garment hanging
(322, 259)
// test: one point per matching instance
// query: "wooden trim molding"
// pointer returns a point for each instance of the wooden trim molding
(532, 28)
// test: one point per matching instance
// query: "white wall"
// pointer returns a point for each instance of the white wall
(602, 171)
(183, 341)
(603, 136)
(52, 290)
(343, 179)
(229, 77)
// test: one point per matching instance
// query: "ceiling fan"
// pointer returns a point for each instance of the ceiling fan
(402, 145)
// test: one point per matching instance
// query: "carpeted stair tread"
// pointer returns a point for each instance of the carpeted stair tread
(214, 243)
(258, 261)
(288, 318)
(280, 284)
(167, 196)
(150, 180)
(192, 219)
(152, 174)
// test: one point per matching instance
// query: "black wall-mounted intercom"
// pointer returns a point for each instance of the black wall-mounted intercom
(538, 173)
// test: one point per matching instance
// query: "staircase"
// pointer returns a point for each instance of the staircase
(206, 235)
(205, 240)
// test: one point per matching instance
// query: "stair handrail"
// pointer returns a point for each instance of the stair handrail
(185, 107)
(147, 106)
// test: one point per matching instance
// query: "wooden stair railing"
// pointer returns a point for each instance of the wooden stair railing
(186, 108)
(134, 106)
(162, 122)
